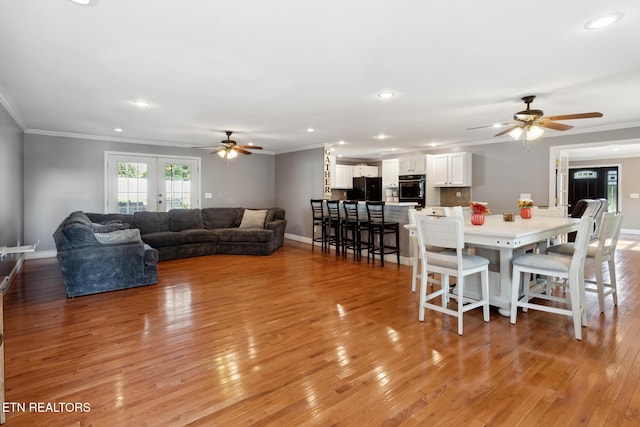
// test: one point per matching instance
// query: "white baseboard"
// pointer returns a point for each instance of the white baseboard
(629, 231)
(41, 254)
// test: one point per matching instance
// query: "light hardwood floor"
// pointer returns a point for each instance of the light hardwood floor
(302, 338)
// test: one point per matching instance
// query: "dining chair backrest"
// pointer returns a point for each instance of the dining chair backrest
(610, 226)
(333, 207)
(549, 211)
(582, 241)
(412, 215)
(375, 212)
(450, 211)
(350, 208)
(597, 218)
(440, 232)
(317, 207)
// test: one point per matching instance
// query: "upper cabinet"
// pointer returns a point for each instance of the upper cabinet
(452, 170)
(364, 170)
(390, 172)
(413, 165)
(343, 177)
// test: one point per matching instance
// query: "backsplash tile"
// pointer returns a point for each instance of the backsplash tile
(449, 196)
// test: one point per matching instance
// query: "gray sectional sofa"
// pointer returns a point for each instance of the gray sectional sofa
(182, 233)
(104, 252)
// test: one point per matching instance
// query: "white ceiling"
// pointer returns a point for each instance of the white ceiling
(270, 69)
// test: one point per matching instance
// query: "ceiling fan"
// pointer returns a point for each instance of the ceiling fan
(529, 123)
(229, 148)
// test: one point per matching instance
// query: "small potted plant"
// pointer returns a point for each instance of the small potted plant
(478, 211)
(525, 206)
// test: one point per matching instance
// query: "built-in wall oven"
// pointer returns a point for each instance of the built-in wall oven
(411, 188)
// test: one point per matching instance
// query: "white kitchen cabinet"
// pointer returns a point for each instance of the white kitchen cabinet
(390, 172)
(343, 177)
(414, 165)
(364, 170)
(452, 170)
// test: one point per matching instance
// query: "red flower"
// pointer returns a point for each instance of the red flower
(479, 207)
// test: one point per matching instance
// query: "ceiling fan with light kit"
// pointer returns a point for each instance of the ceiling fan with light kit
(229, 149)
(528, 124)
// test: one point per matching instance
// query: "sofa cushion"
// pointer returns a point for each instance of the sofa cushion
(164, 238)
(199, 235)
(117, 237)
(105, 219)
(79, 235)
(78, 217)
(221, 217)
(253, 218)
(185, 219)
(151, 222)
(252, 235)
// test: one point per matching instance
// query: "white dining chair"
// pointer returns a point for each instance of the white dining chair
(449, 211)
(602, 251)
(447, 234)
(553, 266)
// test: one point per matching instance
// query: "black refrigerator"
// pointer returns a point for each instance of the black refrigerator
(366, 188)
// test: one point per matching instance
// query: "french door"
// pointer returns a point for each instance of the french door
(151, 183)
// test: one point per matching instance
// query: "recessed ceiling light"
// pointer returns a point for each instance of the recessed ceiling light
(118, 129)
(141, 103)
(603, 21)
(386, 94)
(341, 142)
(310, 130)
(381, 136)
(84, 2)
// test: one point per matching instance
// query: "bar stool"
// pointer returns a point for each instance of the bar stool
(380, 228)
(353, 228)
(334, 225)
(319, 220)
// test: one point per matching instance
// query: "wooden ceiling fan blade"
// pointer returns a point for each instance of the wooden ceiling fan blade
(241, 150)
(218, 150)
(553, 125)
(250, 147)
(507, 130)
(593, 115)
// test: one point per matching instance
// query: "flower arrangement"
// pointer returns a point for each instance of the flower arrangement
(525, 203)
(479, 208)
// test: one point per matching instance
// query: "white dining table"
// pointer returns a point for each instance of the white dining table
(500, 241)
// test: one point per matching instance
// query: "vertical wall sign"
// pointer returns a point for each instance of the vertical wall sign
(328, 167)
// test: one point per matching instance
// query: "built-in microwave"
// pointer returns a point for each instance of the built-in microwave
(411, 188)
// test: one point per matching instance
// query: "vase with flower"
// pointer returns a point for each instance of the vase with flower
(525, 206)
(478, 211)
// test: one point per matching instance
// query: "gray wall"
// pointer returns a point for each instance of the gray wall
(299, 179)
(67, 174)
(11, 174)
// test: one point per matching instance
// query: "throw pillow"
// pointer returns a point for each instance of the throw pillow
(253, 218)
(268, 217)
(131, 235)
